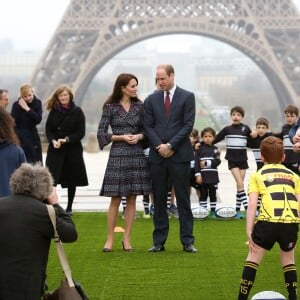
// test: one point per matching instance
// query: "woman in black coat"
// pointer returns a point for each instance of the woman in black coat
(65, 127)
(27, 112)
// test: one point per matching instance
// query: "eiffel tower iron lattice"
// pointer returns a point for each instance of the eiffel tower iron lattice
(91, 32)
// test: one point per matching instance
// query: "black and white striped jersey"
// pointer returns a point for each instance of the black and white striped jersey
(236, 137)
(210, 155)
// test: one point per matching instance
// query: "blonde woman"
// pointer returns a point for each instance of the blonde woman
(27, 112)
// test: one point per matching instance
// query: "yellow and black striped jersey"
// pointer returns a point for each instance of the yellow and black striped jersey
(277, 186)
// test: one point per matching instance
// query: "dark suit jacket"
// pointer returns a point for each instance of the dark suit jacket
(174, 130)
(26, 232)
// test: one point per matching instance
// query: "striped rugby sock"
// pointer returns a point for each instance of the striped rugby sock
(247, 280)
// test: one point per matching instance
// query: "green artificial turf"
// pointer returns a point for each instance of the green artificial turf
(213, 273)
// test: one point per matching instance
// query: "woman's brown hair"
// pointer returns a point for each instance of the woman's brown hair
(121, 81)
(7, 124)
(53, 100)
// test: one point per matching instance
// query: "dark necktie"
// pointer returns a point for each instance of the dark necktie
(167, 104)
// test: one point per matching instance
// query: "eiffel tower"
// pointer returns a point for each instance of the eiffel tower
(91, 32)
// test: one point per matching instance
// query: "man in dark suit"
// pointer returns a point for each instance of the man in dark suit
(169, 119)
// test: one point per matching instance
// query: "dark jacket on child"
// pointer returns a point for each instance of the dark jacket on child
(211, 156)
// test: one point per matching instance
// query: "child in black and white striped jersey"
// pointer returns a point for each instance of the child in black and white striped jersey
(236, 136)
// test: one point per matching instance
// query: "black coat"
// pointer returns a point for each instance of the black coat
(66, 164)
(26, 232)
(25, 128)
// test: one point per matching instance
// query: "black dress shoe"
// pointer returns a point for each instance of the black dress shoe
(106, 250)
(189, 248)
(157, 248)
(126, 249)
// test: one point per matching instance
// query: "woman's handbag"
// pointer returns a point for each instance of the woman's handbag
(68, 289)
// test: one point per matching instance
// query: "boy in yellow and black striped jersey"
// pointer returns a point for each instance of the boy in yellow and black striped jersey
(278, 220)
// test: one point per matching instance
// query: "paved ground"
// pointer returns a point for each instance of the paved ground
(88, 199)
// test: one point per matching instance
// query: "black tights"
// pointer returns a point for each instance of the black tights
(71, 195)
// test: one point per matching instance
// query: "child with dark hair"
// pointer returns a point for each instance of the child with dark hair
(236, 136)
(278, 220)
(207, 159)
(292, 158)
(262, 126)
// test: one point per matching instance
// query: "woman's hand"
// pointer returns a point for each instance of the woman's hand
(62, 141)
(23, 104)
(132, 139)
(56, 144)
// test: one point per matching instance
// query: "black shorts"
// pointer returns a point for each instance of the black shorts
(265, 234)
(242, 165)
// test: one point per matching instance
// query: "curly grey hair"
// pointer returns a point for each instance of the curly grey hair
(32, 180)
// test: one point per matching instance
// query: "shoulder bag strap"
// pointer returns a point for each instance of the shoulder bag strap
(59, 247)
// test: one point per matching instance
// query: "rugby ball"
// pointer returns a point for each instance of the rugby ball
(200, 213)
(266, 295)
(226, 212)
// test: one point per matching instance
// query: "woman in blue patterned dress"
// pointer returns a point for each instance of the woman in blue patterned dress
(127, 173)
